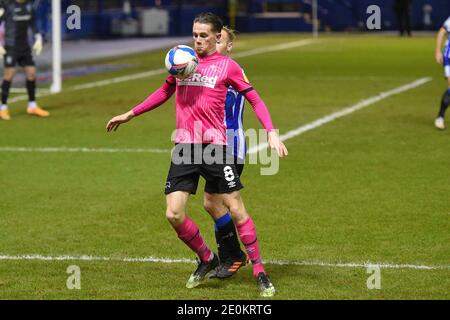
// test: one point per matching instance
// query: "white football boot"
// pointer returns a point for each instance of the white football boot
(439, 123)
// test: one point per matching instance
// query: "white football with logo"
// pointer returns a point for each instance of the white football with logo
(181, 61)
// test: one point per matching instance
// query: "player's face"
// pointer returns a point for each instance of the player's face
(204, 39)
(224, 45)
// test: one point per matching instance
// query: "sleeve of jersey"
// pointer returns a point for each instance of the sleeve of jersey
(157, 98)
(260, 109)
(2, 12)
(33, 23)
(446, 25)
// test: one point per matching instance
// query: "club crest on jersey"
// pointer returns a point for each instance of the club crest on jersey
(197, 79)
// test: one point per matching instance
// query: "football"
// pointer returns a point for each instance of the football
(181, 61)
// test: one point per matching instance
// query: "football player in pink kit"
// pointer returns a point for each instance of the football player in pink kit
(200, 125)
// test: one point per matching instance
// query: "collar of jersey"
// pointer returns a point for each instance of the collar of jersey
(213, 56)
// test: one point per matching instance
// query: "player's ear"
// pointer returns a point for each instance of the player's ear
(229, 46)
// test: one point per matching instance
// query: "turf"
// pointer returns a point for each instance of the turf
(372, 186)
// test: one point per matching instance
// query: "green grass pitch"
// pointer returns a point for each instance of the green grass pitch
(372, 186)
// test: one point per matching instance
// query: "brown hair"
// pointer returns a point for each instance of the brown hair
(210, 18)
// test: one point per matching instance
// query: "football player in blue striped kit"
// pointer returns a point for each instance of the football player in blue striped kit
(443, 57)
(232, 258)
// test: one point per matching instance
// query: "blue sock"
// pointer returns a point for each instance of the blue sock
(222, 221)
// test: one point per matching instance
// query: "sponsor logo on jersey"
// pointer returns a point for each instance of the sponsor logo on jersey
(22, 18)
(199, 80)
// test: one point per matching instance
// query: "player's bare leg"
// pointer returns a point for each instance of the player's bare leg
(33, 108)
(247, 233)
(8, 76)
(232, 258)
(189, 233)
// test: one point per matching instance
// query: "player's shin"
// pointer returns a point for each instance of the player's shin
(247, 234)
(445, 102)
(6, 85)
(189, 233)
(226, 238)
(31, 89)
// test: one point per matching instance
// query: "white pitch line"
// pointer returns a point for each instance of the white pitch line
(131, 77)
(82, 150)
(155, 72)
(286, 136)
(344, 112)
(37, 257)
(284, 46)
(106, 82)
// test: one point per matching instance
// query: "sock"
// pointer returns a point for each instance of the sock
(5, 91)
(32, 104)
(226, 238)
(445, 102)
(189, 233)
(3, 107)
(31, 88)
(247, 233)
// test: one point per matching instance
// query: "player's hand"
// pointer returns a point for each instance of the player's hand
(2, 51)
(277, 144)
(439, 57)
(37, 46)
(115, 122)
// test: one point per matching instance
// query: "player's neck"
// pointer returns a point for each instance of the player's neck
(210, 53)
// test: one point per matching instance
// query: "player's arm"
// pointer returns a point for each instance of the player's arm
(442, 34)
(238, 80)
(2, 11)
(38, 43)
(2, 19)
(153, 101)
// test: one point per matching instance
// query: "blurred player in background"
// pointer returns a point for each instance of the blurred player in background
(19, 16)
(201, 100)
(443, 57)
(402, 9)
(232, 258)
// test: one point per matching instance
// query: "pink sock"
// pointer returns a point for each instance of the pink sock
(190, 234)
(247, 234)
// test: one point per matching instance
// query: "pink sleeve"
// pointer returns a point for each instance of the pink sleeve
(236, 77)
(157, 98)
(260, 109)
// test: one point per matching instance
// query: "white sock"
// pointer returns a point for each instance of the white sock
(32, 104)
(3, 107)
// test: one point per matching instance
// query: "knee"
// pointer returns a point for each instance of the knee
(237, 211)
(210, 206)
(31, 76)
(174, 216)
(239, 215)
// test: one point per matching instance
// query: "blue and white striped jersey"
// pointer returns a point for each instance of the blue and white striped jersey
(234, 116)
(446, 26)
